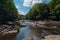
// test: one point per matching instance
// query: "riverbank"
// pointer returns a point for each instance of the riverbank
(49, 37)
(50, 25)
(52, 37)
(53, 27)
(10, 35)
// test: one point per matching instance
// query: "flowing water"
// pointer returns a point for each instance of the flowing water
(26, 32)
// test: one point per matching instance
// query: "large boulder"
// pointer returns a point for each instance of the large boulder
(9, 35)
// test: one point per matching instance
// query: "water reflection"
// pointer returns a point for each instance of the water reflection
(26, 32)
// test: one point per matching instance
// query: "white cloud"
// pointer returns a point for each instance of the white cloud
(17, 7)
(29, 3)
(21, 12)
(36, 1)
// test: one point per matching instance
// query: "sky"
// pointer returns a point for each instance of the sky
(23, 6)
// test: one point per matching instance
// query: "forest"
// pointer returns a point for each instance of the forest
(8, 11)
(45, 11)
(39, 11)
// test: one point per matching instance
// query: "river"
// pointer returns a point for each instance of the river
(26, 32)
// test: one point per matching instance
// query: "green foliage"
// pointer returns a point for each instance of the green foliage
(17, 27)
(55, 10)
(21, 16)
(45, 11)
(39, 11)
(8, 11)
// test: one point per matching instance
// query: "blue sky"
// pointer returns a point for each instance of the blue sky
(23, 6)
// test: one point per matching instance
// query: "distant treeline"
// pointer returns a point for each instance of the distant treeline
(45, 11)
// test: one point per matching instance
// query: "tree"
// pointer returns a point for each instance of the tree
(45, 11)
(8, 11)
(57, 13)
(55, 10)
(39, 11)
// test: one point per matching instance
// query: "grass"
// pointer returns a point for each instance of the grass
(17, 27)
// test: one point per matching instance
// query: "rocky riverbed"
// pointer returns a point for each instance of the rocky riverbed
(46, 27)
